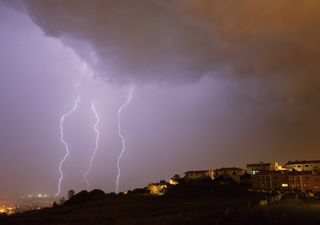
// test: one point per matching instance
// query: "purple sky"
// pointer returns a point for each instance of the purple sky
(217, 83)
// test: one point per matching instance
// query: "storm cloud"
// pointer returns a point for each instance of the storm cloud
(277, 42)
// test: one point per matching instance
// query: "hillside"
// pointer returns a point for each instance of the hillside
(183, 204)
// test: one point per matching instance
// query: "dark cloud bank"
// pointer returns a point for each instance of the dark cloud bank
(269, 49)
(277, 42)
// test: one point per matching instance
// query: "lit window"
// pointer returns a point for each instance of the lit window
(284, 185)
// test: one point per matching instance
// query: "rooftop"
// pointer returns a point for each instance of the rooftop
(302, 162)
(259, 164)
(198, 171)
(229, 168)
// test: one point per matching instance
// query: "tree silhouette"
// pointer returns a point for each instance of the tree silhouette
(70, 193)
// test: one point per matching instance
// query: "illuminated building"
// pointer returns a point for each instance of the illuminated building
(173, 182)
(306, 165)
(157, 188)
(258, 167)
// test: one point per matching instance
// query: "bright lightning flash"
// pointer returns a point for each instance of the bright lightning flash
(96, 145)
(75, 106)
(121, 136)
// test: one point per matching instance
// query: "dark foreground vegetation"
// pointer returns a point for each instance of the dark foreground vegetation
(197, 203)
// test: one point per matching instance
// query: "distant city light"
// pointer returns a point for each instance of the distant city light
(173, 182)
(39, 195)
(7, 210)
(28, 202)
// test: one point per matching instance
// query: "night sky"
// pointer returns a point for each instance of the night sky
(216, 84)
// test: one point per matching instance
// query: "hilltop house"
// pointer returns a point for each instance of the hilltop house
(304, 181)
(270, 181)
(233, 172)
(199, 174)
(157, 188)
(306, 165)
(258, 167)
(286, 180)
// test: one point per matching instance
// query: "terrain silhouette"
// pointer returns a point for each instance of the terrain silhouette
(188, 203)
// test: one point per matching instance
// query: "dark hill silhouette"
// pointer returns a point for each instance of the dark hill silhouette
(85, 196)
(188, 203)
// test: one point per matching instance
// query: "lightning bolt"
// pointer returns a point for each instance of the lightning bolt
(75, 106)
(121, 136)
(96, 145)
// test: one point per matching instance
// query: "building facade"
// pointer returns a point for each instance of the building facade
(271, 181)
(157, 188)
(199, 174)
(285, 180)
(233, 172)
(258, 167)
(306, 165)
(304, 181)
